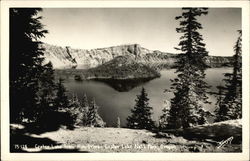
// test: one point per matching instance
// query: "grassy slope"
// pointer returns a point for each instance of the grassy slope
(122, 140)
(87, 139)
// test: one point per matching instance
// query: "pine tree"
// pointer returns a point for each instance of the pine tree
(84, 109)
(189, 87)
(59, 111)
(85, 101)
(46, 92)
(163, 121)
(49, 117)
(61, 100)
(220, 96)
(32, 87)
(25, 62)
(75, 110)
(141, 117)
(118, 122)
(93, 118)
(47, 85)
(230, 106)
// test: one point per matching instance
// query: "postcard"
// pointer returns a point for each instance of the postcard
(124, 80)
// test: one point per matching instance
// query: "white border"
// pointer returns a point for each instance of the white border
(119, 156)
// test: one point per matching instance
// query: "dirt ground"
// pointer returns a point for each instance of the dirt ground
(90, 139)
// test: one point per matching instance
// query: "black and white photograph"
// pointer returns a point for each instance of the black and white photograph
(126, 79)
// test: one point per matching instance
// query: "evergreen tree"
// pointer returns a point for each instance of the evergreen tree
(46, 92)
(93, 118)
(85, 101)
(25, 62)
(118, 123)
(189, 87)
(75, 110)
(61, 100)
(84, 109)
(32, 87)
(163, 121)
(49, 117)
(230, 106)
(141, 117)
(220, 96)
(47, 85)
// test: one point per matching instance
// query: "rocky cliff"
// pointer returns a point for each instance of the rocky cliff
(66, 57)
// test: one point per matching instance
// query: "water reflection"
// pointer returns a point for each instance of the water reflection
(124, 85)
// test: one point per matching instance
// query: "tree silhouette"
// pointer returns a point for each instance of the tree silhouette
(61, 100)
(93, 118)
(46, 92)
(141, 113)
(75, 110)
(189, 87)
(33, 93)
(25, 62)
(230, 106)
(84, 109)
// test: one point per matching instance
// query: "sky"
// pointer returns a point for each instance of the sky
(152, 28)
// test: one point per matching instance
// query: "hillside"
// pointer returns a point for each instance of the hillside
(66, 57)
(121, 68)
(90, 139)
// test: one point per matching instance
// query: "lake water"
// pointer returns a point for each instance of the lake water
(113, 104)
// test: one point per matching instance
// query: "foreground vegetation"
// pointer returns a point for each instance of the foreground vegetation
(87, 139)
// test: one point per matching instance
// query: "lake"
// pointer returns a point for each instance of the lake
(115, 103)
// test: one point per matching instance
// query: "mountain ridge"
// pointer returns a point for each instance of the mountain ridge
(66, 57)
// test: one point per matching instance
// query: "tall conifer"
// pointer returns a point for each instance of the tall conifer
(75, 110)
(84, 109)
(163, 121)
(33, 96)
(46, 92)
(189, 87)
(141, 117)
(25, 62)
(93, 118)
(61, 100)
(230, 106)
